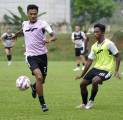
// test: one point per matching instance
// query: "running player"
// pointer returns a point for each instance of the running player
(36, 50)
(79, 39)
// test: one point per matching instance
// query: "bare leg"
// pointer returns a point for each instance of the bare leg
(84, 91)
(95, 81)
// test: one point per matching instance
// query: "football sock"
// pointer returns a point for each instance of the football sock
(9, 57)
(84, 97)
(41, 100)
(93, 93)
(78, 65)
(34, 85)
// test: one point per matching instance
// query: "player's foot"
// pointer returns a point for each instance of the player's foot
(9, 63)
(83, 67)
(33, 91)
(76, 69)
(44, 107)
(80, 106)
(89, 104)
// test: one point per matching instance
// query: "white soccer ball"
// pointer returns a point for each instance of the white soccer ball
(23, 82)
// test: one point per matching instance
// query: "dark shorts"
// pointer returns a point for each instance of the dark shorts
(104, 75)
(40, 62)
(7, 47)
(79, 51)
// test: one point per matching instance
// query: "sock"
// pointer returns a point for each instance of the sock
(84, 97)
(34, 86)
(93, 93)
(78, 65)
(9, 57)
(41, 100)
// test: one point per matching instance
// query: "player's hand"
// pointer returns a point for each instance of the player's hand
(117, 75)
(47, 41)
(78, 77)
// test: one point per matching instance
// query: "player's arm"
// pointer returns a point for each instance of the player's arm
(51, 33)
(113, 49)
(72, 38)
(85, 41)
(118, 59)
(87, 65)
(52, 37)
(2, 37)
(18, 33)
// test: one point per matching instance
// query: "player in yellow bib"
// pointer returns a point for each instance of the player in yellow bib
(105, 56)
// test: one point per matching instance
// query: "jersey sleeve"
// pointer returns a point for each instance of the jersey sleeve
(3, 35)
(91, 54)
(113, 49)
(72, 36)
(47, 27)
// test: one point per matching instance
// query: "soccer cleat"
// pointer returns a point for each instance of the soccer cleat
(80, 106)
(76, 69)
(9, 63)
(44, 107)
(83, 67)
(33, 91)
(89, 104)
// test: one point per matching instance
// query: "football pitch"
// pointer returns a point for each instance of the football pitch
(62, 95)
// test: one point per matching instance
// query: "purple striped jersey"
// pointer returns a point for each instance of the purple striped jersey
(34, 36)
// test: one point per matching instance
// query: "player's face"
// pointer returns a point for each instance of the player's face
(77, 28)
(97, 33)
(32, 15)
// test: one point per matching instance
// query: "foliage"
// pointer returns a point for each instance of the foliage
(90, 11)
(14, 19)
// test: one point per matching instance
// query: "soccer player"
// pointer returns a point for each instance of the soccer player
(80, 42)
(106, 59)
(36, 50)
(8, 43)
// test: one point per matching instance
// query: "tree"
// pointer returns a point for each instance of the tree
(91, 11)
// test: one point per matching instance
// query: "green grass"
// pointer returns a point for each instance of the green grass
(62, 95)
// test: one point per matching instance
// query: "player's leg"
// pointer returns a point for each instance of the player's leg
(39, 88)
(100, 76)
(84, 91)
(38, 70)
(8, 54)
(83, 60)
(82, 57)
(95, 82)
(78, 59)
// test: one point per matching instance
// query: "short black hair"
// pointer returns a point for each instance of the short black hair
(32, 6)
(101, 26)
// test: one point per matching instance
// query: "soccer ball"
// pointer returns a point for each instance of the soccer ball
(23, 82)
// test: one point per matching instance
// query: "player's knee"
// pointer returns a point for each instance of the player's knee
(82, 85)
(95, 82)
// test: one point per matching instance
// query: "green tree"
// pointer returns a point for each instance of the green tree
(90, 11)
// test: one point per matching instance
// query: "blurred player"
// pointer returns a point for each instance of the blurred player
(106, 59)
(8, 43)
(80, 42)
(36, 50)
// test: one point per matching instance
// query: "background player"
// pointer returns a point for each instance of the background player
(79, 39)
(8, 43)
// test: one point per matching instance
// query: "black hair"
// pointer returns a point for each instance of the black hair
(32, 6)
(101, 26)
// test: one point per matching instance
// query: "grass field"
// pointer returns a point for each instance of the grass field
(62, 95)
